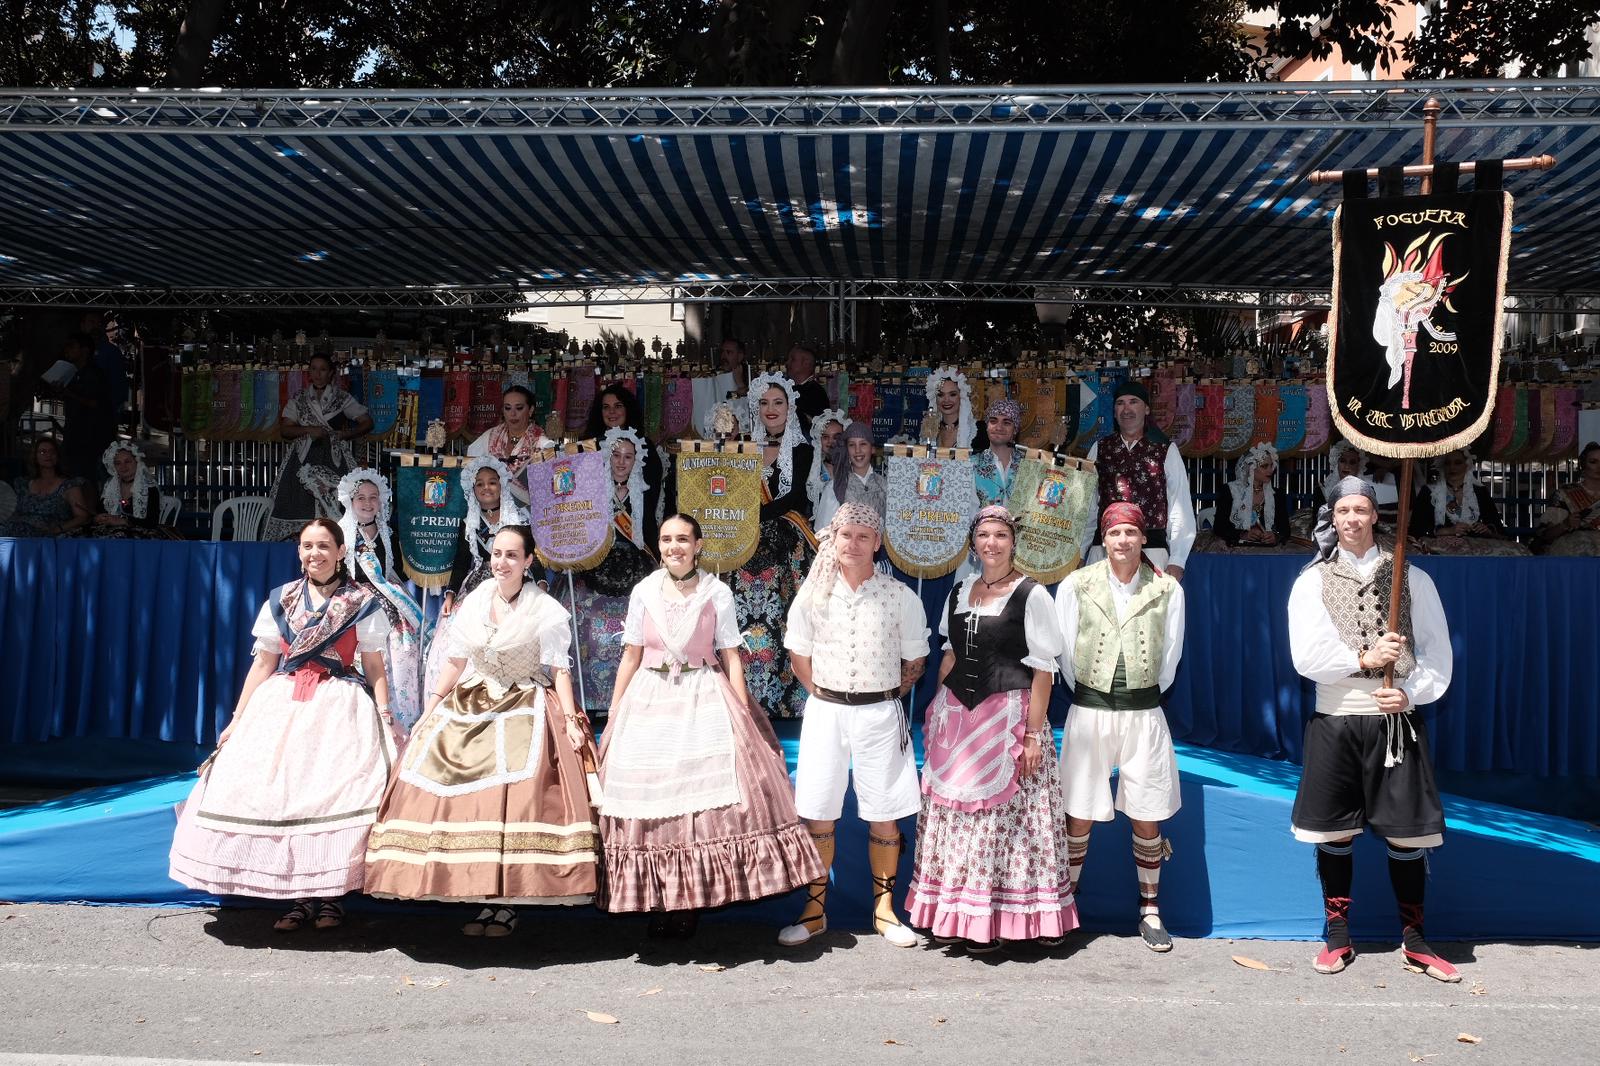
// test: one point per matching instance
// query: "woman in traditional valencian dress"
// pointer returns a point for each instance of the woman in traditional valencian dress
(1252, 512)
(1455, 515)
(1570, 525)
(992, 836)
(283, 809)
(600, 595)
(950, 397)
(130, 505)
(764, 586)
(321, 420)
(488, 510)
(826, 429)
(367, 501)
(614, 407)
(490, 803)
(513, 441)
(697, 811)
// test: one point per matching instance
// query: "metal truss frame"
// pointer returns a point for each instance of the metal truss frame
(312, 112)
(845, 295)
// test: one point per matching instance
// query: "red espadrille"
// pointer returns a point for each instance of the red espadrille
(1332, 960)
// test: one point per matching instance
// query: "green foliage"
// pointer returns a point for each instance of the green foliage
(1459, 38)
(58, 44)
(1477, 38)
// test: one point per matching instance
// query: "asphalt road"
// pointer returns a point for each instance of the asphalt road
(129, 986)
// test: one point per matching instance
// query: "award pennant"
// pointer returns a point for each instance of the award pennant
(582, 385)
(485, 411)
(677, 407)
(268, 404)
(430, 404)
(1209, 419)
(887, 412)
(722, 490)
(569, 508)
(1182, 431)
(930, 507)
(1268, 409)
(429, 508)
(457, 401)
(1319, 422)
(224, 403)
(863, 402)
(247, 404)
(1238, 419)
(383, 400)
(1293, 404)
(1054, 504)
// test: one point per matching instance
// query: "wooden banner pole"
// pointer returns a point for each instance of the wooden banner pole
(1430, 124)
(1425, 170)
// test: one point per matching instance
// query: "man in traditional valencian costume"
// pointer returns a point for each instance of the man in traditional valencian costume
(1122, 621)
(1366, 753)
(1135, 467)
(858, 641)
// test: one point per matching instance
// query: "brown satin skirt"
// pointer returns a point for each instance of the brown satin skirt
(494, 808)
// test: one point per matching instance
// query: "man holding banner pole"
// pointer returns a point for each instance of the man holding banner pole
(1416, 328)
(858, 642)
(1366, 754)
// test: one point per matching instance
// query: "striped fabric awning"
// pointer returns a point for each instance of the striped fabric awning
(1159, 194)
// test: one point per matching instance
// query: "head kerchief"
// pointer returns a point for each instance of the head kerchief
(1121, 513)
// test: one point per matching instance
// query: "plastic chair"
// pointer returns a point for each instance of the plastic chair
(169, 509)
(249, 515)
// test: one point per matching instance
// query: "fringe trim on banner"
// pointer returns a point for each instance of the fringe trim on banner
(930, 571)
(425, 581)
(1459, 439)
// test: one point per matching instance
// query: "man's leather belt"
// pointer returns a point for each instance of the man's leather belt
(854, 699)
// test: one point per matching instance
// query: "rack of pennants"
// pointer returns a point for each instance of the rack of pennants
(1205, 417)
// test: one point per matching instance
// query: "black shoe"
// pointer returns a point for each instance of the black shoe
(1155, 934)
(657, 929)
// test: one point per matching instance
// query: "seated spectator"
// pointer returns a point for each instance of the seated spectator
(1344, 460)
(1570, 524)
(855, 480)
(130, 503)
(49, 503)
(1454, 514)
(1252, 512)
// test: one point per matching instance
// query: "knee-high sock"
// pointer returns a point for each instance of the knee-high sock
(1147, 855)
(1409, 875)
(883, 856)
(1077, 851)
(1335, 869)
(817, 891)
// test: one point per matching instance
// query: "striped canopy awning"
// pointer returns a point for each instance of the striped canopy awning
(1168, 187)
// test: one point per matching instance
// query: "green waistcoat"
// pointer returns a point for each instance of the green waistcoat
(1135, 644)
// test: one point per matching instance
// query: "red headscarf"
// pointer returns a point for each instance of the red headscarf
(1121, 513)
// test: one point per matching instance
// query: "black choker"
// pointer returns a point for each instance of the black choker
(991, 584)
(693, 573)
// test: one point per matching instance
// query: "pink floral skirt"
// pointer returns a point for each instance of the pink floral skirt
(999, 873)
